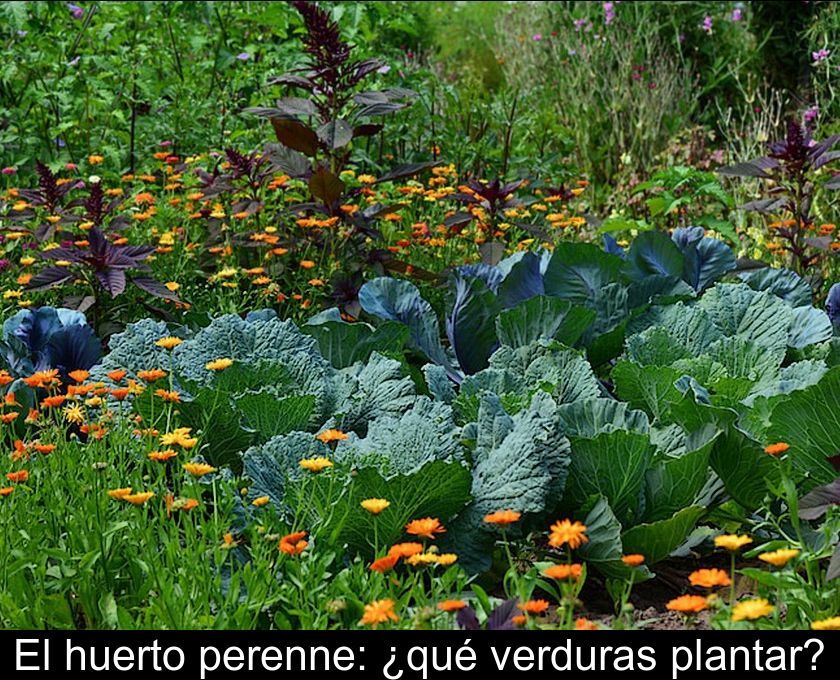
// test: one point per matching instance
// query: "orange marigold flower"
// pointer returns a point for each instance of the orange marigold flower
(45, 449)
(138, 498)
(451, 605)
(198, 469)
(293, 544)
(331, 435)
(709, 578)
(519, 620)
(633, 560)
(406, 549)
(732, 542)
(427, 527)
(6, 491)
(260, 502)
(151, 376)
(119, 393)
(79, 375)
(561, 572)
(307, 264)
(384, 564)
(116, 376)
(567, 532)
(687, 604)
(776, 449)
(54, 401)
(162, 456)
(171, 396)
(9, 417)
(43, 378)
(378, 611)
(502, 517)
(533, 606)
(5, 378)
(585, 624)
(18, 477)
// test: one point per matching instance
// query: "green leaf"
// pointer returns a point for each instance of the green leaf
(604, 548)
(343, 344)
(543, 317)
(744, 468)
(471, 323)
(783, 283)
(656, 540)
(809, 420)
(577, 271)
(649, 388)
(653, 253)
(612, 465)
(269, 415)
(587, 418)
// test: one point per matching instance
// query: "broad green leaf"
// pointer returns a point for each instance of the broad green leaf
(656, 540)
(604, 548)
(268, 414)
(543, 317)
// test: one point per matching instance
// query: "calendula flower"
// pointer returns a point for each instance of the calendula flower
(53, 401)
(709, 578)
(315, 465)
(218, 364)
(502, 517)
(561, 572)
(79, 376)
(533, 606)
(446, 559)
(585, 624)
(406, 549)
(779, 558)
(119, 494)
(378, 611)
(119, 393)
(328, 436)
(569, 533)
(74, 414)
(293, 544)
(519, 620)
(18, 477)
(43, 378)
(750, 610)
(6, 491)
(116, 376)
(307, 264)
(687, 604)
(198, 469)
(44, 449)
(162, 456)
(138, 498)
(776, 449)
(375, 505)
(169, 342)
(451, 605)
(826, 624)
(384, 564)
(634, 560)
(171, 396)
(260, 502)
(427, 527)
(179, 437)
(732, 542)
(151, 376)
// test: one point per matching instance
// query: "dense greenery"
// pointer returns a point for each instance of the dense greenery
(425, 315)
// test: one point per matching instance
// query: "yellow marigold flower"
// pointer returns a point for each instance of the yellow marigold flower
(218, 364)
(169, 395)
(446, 559)
(776, 449)
(567, 532)
(119, 494)
(169, 342)
(375, 505)
(260, 502)
(179, 437)
(378, 611)
(26, 261)
(316, 465)
(198, 469)
(74, 414)
(328, 436)
(751, 610)
(172, 286)
(138, 498)
(826, 624)
(95, 159)
(732, 542)
(779, 558)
